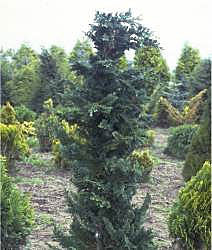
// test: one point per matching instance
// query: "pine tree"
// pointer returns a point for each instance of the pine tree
(107, 110)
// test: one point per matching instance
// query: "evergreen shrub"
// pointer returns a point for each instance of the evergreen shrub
(190, 217)
(13, 142)
(167, 115)
(200, 148)
(28, 128)
(179, 140)
(24, 114)
(8, 115)
(145, 160)
(46, 125)
(193, 111)
(17, 215)
(71, 134)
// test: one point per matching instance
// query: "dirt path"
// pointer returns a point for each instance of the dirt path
(163, 188)
(46, 187)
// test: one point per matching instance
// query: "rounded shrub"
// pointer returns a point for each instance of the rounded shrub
(13, 142)
(190, 217)
(145, 161)
(167, 115)
(179, 140)
(17, 216)
(24, 114)
(71, 134)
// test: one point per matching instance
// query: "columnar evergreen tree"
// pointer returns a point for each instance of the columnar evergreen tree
(188, 59)
(24, 80)
(107, 110)
(53, 76)
(151, 63)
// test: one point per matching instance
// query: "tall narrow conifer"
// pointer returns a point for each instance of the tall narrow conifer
(107, 108)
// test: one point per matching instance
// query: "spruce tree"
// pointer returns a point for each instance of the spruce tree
(107, 109)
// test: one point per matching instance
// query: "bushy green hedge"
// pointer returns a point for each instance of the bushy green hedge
(17, 216)
(190, 217)
(179, 140)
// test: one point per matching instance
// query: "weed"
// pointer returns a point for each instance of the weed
(33, 142)
(28, 180)
(38, 160)
(44, 219)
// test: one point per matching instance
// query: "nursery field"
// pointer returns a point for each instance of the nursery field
(46, 185)
(100, 151)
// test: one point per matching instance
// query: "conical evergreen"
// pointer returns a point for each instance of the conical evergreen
(107, 109)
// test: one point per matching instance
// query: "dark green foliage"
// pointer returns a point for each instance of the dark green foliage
(201, 77)
(81, 52)
(166, 115)
(24, 114)
(53, 77)
(17, 216)
(179, 140)
(108, 110)
(200, 148)
(190, 218)
(112, 43)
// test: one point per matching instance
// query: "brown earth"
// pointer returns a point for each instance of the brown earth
(46, 184)
(163, 188)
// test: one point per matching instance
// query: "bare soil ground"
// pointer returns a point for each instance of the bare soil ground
(46, 187)
(163, 188)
